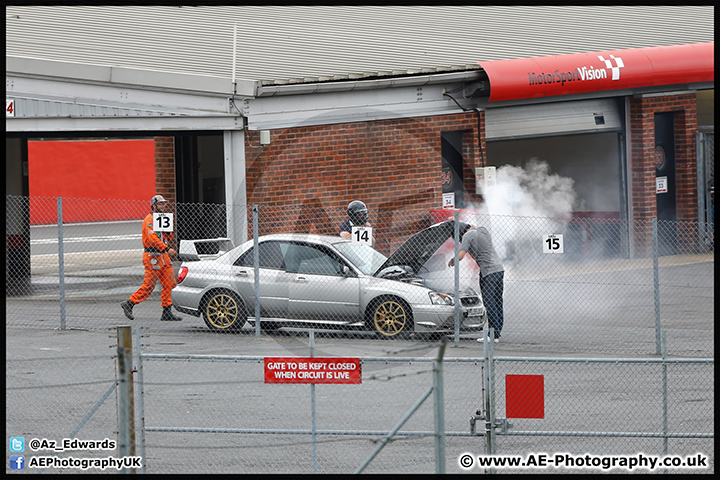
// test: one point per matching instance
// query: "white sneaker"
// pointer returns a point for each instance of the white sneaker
(480, 340)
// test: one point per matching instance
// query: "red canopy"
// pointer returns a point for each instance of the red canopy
(599, 71)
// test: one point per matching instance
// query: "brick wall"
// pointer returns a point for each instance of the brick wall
(165, 168)
(307, 175)
(642, 160)
(394, 166)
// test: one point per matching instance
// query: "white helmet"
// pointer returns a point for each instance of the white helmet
(157, 199)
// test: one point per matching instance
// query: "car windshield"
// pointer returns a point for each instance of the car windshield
(362, 255)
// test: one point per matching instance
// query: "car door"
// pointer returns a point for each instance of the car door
(273, 284)
(320, 288)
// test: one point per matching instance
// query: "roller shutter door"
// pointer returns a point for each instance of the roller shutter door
(561, 118)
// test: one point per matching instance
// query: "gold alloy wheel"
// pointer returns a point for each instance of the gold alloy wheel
(390, 318)
(222, 312)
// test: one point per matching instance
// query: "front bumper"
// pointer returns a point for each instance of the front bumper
(440, 318)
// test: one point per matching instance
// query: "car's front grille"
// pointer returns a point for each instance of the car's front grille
(469, 301)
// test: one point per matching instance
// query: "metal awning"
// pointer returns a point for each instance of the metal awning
(579, 73)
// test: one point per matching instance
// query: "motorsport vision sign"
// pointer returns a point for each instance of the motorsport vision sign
(600, 71)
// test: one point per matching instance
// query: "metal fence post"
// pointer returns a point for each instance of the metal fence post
(486, 390)
(312, 407)
(439, 410)
(702, 217)
(656, 284)
(457, 281)
(489, 380)
(256, 265)
(664, 394)
(141, 399)
(61, 262)
(126, 406)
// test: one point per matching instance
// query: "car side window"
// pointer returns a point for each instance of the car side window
(270, 256)
(309, 260)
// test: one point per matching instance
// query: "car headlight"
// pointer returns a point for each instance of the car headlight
(437, 298)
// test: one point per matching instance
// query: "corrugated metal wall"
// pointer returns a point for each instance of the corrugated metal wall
(313, 43)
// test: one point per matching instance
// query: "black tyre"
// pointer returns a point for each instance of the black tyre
(389, 317)
(224, 311)
(266, 326)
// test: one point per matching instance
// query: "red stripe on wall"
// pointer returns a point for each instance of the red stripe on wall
(82, 171)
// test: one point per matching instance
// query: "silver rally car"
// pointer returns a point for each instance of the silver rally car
(328, 282)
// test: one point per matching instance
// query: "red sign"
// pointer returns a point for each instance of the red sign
(600, 71)
(312, 370)
(525, 396)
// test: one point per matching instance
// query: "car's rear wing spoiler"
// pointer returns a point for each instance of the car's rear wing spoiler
(205, 249)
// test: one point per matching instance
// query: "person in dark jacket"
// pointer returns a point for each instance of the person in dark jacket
(357, 217)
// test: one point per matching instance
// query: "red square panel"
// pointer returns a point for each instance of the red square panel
(525, 396)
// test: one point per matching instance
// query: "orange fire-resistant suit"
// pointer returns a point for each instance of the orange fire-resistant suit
(157, 262)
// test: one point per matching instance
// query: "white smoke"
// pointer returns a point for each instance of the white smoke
(530, 192)
(525, 204)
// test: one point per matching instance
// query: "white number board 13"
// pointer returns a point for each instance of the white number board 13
(553, 243)
(361, 235)
(162, 222)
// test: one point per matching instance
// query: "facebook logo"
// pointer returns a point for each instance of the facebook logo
(17, 462)
(17, 444)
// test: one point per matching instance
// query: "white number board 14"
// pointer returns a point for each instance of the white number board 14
(553, 243)
(162, 222)
(361, 235)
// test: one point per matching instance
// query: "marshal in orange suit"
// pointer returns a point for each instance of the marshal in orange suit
(157, 260)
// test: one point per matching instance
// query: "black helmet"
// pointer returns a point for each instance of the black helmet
(358, 212)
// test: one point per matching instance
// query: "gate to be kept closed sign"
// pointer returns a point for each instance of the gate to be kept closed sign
(312, 370)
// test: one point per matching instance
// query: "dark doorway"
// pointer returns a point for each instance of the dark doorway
(665, 182)
(199, 176)
(17, 217)
(452, 166)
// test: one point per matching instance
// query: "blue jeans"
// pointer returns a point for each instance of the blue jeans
(491, 289)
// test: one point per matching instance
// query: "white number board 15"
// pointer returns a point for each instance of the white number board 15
(162, 222)
(553, 243)
(361, 235)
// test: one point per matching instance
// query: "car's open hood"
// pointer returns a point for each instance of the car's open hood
(423, 245)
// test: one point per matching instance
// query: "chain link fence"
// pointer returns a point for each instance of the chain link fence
(213, 413)
(618, 282)
(622, 407)
(278, 437)
(576, 287)
(58, 386)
